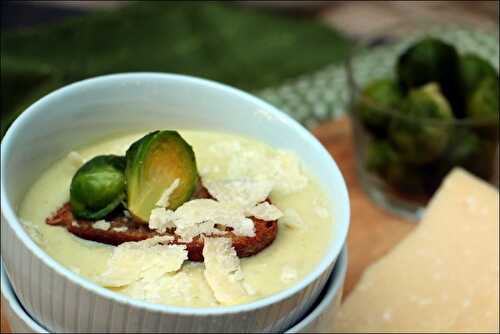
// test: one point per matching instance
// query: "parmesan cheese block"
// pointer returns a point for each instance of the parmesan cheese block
(222, 270)
(443, 277)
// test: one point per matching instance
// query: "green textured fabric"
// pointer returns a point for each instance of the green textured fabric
(247, 49)
(324, 95)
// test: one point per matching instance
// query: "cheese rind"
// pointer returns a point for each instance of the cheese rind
(442, 277)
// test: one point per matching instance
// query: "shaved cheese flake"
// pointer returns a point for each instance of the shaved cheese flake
(161, 220)
(243, 192)
(169, 286)
(265, 211)
(236, 201)
(163, 201)
(222, 271)
(101, 225)
(76, 159)
(288, 274)
(292, 219)
(34, 231)
(145, 260)
(277, 166)
(120, 229)
(200, 216)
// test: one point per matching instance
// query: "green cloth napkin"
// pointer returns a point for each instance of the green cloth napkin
(241, 47)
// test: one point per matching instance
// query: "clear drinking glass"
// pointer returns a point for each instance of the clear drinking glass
(403, 180)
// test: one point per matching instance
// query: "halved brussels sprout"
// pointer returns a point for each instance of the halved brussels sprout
(432, 60)
(417, 136)
(154, 162)
(377, 99)
(473, 70)
(98, 187)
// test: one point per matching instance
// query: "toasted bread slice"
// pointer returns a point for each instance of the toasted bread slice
(123, 228)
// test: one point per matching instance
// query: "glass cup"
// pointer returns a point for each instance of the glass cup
(402, 159)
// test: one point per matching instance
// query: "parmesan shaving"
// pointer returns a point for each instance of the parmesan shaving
(163, 201)
(292, 219)
(280, 167)
(120, 229)
(222, 271)
(200, 216)
(34, 231)
(168, 287)
(161, 220)
(265, 211)
(288, 274)
(76, 159)
(242, 192)
(146, 260)
(101, 225)
(236, 201)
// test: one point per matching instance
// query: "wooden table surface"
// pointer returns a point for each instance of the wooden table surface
(373, 231)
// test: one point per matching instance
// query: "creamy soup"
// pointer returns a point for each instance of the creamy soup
(304, 230)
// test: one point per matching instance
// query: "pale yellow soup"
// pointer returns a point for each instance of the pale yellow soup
(297, 250)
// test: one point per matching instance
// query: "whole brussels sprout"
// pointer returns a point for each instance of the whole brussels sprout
(418, 135)
(482, 161)
(377, 99)
(381, 158)
(154, 163)
(463, 145)
(98, 187)
(379, 154)
(483, 103)
(432, 60)
(473, 70)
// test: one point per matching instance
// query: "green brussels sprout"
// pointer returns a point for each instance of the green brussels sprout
(463, 144)
(432, 60)
(98, 187)
(382, 159)
(378, 98)
(154, 162)
(473, 70)
(379, 154)
(419, 135)
(482, 161)
(483, 103)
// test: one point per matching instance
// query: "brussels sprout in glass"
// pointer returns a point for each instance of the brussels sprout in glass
(154, 162)
(379, 154)
(432, 60)
(377, 99)
(447, 116)
(483, 103)
(416, 137)
(383, 159)
(98, 187)
(474, 69)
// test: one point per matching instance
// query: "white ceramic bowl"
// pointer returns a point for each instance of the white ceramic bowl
(19, 321)
(318, 319)
(97, 108)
